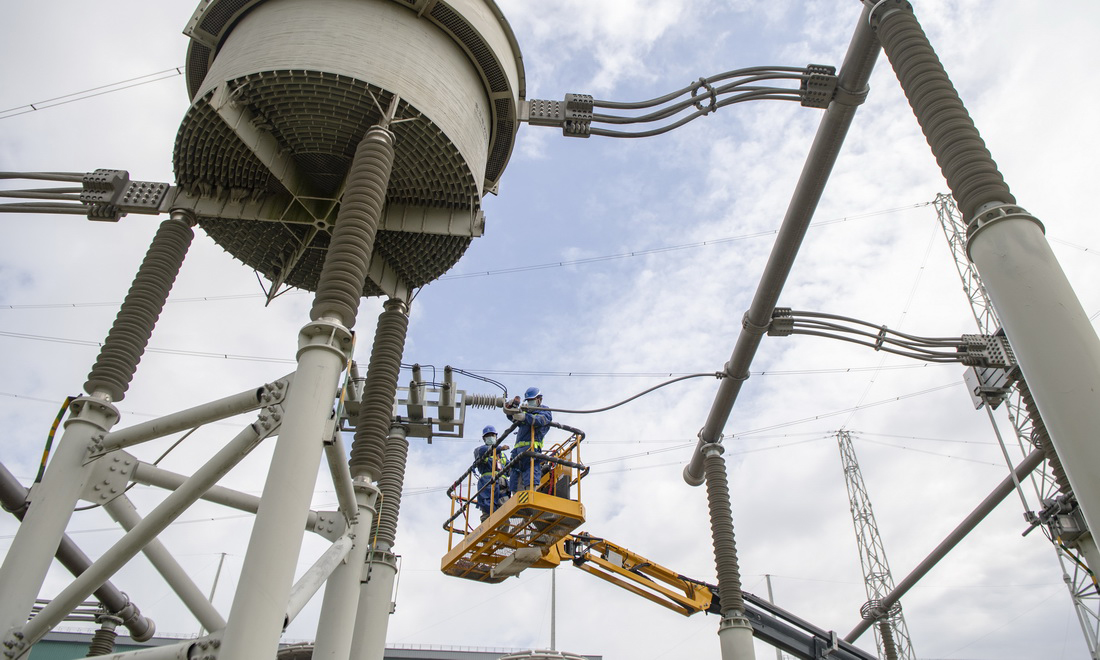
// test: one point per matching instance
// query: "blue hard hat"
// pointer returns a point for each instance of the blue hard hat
(488, 429)
(531, 393)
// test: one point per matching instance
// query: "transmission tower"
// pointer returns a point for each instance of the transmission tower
(891, 633)
(1059, 516)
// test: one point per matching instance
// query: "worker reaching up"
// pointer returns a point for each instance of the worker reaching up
(533, 424)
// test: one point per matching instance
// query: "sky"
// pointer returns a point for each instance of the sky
(593, 282)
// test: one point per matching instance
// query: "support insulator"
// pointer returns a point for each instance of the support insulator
(483, 401)
(960, 151)
(103, 640)
(721, 526)
(1040, 437)
(340, 287)
(889, 647)
(126, 342)
(390, 483)
(376, 409)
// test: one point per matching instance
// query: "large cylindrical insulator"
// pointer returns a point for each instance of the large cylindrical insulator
(721, 527)
(126, 342)
(376, 410)
(1040, 437)
(340, 287)
(971, 173)
(390, 484)
(889, 647)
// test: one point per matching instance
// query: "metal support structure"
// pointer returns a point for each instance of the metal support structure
(1029, 427)
(147, 530)
(892, 634)
(376, 594)
(123, 511)
(339, 607)
(851, 91)
(1057, 347)
(325, 346)
(13, 498)
(995, 497)
(29, 557)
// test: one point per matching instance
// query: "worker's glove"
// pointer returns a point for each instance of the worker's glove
(517, 415)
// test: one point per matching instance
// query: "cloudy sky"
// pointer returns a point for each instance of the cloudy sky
(593, 283)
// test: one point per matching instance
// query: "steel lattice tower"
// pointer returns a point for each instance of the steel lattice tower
(1027, 425)
(891, 633)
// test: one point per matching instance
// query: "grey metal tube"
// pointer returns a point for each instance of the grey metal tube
(13, 497)
(851, 85)
(991, 501)
(236, 404)
(123, 511)
(132, 542)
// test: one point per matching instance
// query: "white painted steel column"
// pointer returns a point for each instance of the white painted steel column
(375, 605)
(52, 502)
(735, 639)
(259, 606)
(336, 628)
(1054, 341)
(153, 524)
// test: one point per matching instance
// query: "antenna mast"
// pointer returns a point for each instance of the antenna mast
(891, 633)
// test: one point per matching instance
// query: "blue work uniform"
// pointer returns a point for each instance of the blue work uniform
(487, 462)
(529, 435)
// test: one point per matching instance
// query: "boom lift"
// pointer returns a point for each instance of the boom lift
(534, 529)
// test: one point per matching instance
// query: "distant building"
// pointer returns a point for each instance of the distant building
(73, 645)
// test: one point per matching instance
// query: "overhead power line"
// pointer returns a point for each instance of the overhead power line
(91, 93)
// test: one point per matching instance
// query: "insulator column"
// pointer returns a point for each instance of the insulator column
(735, 632)
(255, 621)
(1050, 332)
(887, 635)
(967, 165)
(43, 527)
(340, 287)
(126, 342)
(376, 409)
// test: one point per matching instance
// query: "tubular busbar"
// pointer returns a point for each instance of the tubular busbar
(851, 87)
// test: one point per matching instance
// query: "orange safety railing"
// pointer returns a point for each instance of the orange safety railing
(562, 472)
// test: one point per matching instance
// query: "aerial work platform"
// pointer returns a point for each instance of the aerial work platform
(525, 530)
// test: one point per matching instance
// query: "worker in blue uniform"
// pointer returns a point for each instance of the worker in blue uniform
(488, 459)
(533, 423)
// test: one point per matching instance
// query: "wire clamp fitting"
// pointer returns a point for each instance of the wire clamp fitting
(818, 86)
(696, 98)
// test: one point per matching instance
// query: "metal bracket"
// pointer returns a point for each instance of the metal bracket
(573, 115)
(109, 478)
(110, 194)
(330, 525)
(818, 88)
